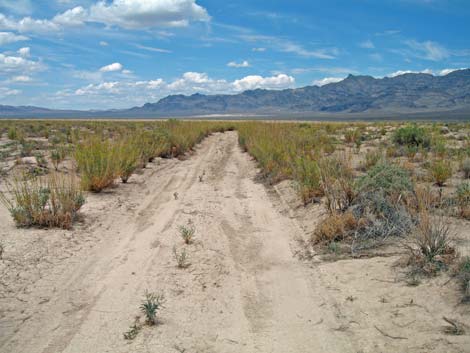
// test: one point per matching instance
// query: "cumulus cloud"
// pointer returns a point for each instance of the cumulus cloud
(244, 63)
(18, 64)
(448, 71)
(148, 13)
(112, 67)
(327, 80)
(255, 81)
(129, 14)
(8, 37)
(139, 92)
(442, 72)
(403, 72)
(24, 52)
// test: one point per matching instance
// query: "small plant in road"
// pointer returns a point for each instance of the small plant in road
(151, 305)
(187, 233)
(181, 258)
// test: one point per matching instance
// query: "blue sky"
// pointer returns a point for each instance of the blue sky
(94, 54)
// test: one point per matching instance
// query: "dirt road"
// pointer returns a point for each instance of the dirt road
(243, 292)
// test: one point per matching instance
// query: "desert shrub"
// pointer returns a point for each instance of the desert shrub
(465, 167)
(440, 170)
(388, 178)
(129, 158)
(463, 199)
(433, 251)
(337, 226)
(337, 182)
(307, 175)
(380, 202)
(12, 133)
(353, 136)
(150, 306)
(371, 158)
(439, 146)
(58, 155)
(412, 135)
(462, 273)
(98, 163)
(52, 201)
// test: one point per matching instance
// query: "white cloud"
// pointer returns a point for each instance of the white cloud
(24, 52)
(103, 43)
(448, 71)
(327, 80)
(8, 37)
(17, 6)
(112, 67)
(258, 49)
(367, 44)
(244, 63)
(403, 72)
(134, 14)
(287, 46)
(71, 18)
(4, 91)
(255, 81)
(156, 50)
(17, 64)
(21, 78)
(129, 14)
(428, 50)
(140, 92)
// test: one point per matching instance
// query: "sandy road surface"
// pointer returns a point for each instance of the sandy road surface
(243, 292)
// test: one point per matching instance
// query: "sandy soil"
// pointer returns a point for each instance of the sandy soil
(245, 291)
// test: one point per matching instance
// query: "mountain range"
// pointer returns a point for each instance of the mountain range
(411, 94)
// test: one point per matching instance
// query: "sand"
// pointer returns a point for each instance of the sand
(244, 291)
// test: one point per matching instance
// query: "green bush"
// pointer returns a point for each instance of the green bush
(440, 170)
(412, 135)
(388, 178)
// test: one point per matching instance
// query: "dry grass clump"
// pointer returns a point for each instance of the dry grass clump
(465, 167)
(376, 210)
(440, 170)
(307, 175)
(52, 201)
(336, 227)
(337, 182)
(463, 199)
(129, 158)
(432, 251)
(98, 163)
(462, 273)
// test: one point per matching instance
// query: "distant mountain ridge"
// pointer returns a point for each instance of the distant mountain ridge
(355, 95)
